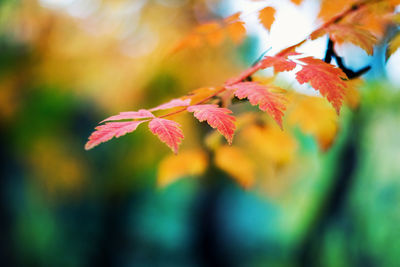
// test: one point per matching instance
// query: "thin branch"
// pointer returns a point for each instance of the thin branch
(336, 19)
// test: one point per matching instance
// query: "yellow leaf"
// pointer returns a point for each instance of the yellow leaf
(200, 94)
(233, 161)
(316, 117)
(267, 17)
(352, 94)
(393, 45)
(186, 163)
(270, 143)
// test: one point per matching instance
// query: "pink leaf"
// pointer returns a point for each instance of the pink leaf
(258, 94)
(172, 104)
(324, 77)
(167, 131)
(216, 117)
(109, 130)
(141, 114)
(280, 63)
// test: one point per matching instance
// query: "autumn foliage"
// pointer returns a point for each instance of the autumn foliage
(358, 22)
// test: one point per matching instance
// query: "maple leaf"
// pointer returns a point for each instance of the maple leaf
(354, 34)
(266, 17)
(141, 114)
(280, 63)
(260, 95)
(109, 130)
(167, 131)
(173, 104)
(216, 117)
(325, 78)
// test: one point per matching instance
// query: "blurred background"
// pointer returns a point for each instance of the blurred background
(65, 65)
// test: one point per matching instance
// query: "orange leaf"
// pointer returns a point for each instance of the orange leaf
(280, 63)
(325, 78)
(212, 32)
(199, 94)
(296, 2)
(167, 131)
(266, 17)
(235, 27)
(331, 8)
(341, 33)
(261, 95)
(352, 93)
(394, 44)
(216, 117)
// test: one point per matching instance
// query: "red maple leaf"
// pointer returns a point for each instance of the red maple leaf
(216, 117)
(324, 77)
(168, 132)
(109, 130)
(258, 94)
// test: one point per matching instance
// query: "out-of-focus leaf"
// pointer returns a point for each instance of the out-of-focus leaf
(186, 163)
(394, 44)
(341, 33)
(235, 27)
(352, 93)
(270, 144)
(314, 116)
(233, 161)
(330, 8)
